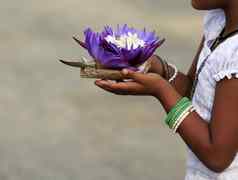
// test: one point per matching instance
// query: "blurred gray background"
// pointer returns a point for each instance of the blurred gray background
(56, 126)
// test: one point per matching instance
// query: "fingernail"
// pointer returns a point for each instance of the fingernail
(97, 83)
(103, 82)
(111, 81)
(125, 71)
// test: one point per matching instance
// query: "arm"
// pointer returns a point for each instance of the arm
(214, 143)
(183, 82)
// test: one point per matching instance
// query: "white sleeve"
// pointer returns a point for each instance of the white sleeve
(226, 64)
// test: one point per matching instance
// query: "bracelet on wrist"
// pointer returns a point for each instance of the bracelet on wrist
(172, 78)
(178, 113)
(164, 68)
(174, 109)
(182, 118)
(167, 73)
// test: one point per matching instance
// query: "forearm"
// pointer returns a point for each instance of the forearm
(198, 139)
(182, 82)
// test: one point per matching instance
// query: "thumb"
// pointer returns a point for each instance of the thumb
(136, 76)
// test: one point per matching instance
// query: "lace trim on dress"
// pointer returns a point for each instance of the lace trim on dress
(226, 74)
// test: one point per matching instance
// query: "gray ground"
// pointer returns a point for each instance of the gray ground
(56, 126)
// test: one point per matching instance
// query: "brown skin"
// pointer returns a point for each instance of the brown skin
(214, 143)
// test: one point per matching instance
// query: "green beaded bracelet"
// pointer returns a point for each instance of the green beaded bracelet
(176, 111)
(177, 114)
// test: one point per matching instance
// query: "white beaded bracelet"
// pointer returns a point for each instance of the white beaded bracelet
(182, 118)
(175, 72)
(181, 115)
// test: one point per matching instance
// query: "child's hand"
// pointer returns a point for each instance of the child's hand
(156, 66)
(142, 84)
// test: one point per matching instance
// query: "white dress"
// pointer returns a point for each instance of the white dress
(221, 63)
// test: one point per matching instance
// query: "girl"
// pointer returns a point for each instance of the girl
(208, 123)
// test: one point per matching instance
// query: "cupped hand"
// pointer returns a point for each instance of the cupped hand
(140, 84)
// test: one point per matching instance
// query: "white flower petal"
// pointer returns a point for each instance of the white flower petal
(129, 41)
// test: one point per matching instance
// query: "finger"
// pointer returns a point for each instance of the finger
(105, 86)
(132, 88)
(136, 76)
(102, 84)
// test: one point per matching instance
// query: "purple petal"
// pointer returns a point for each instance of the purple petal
(93, 43)
(148, 37)
(122, 30)
(110, 47)
(149, 51)
(88, 38)
(130, 55)
(111, 61)
(107, 31)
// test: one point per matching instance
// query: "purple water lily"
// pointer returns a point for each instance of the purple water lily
(124, 48)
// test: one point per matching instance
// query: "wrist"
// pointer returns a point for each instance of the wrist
(166, 94)
(156, 66)
(165, 69)
(159, 88)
